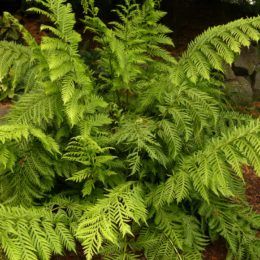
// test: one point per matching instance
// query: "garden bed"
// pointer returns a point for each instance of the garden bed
(217, 250)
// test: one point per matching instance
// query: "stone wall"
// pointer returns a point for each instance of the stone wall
(243, 78)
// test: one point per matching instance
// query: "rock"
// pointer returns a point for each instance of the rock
(257, 68)
(240, 71)
(256, 86)
(248, 59)
(228, 72)
(239, 90)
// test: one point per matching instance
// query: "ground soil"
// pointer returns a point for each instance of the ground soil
(33, 26)
(4, 108)
(252, 188)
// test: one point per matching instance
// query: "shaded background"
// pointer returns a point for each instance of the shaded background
(186, 18)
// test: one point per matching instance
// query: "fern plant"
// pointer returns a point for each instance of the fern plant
(131, 153)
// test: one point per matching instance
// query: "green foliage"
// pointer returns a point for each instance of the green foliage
(236, 223)
(127, 151)
(215, 46)
(110, 217)
(34, 233)
(8, 31)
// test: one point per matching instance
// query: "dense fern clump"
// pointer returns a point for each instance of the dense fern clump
(127, 151)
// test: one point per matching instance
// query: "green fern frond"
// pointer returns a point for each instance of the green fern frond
(36, 109)
(93, 122)
(189, 109)
(110, 216)
(11, 53)
(214, 47)
(139, 136)
(157, 245)
(212, 167)
(131, 46)
(177, 187)
(69, 73)
(60, 13)
(95, 162)
(124, 250)
(99, 130)
(229, 119)
(73, 206)
(31, 177)
(170, 135)
(28, 38)
(7, 158)
(34, 233)
(235, 223)
(178, 226)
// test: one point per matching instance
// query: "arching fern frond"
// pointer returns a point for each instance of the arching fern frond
(36, 109)
(216, 168)
(138, 136)
(132, 48)
(183, 230)
(189, 109)
(69, 73)
(73, 206)
(124, 250)
(230, 119)
(32, 176)
(7, 158)
(174, 235)
(34, 233)
(94, 161)
(214, 47)
(212, 167)
(60, 13)
(28, 38)
(110, 216)
(26, 63)
(140, 124)
(237, 224)
(14, 56)
(177, 187)
(23, 132)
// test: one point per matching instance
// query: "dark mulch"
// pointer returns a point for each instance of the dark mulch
(33, 26)
(72, 255)
(252, 188)
(216, 250)
(4, 108)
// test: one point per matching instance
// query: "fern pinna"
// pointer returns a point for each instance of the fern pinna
(125, 150)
